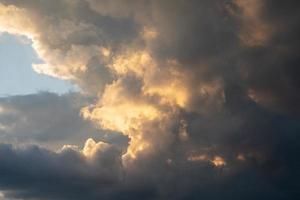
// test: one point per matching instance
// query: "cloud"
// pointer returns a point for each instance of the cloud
(49, 119)
(206, 92)
(47, 174)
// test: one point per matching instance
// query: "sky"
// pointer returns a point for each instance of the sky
(16, 74)
(149, 99)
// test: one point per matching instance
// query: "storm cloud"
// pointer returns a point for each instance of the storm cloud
(202, 97)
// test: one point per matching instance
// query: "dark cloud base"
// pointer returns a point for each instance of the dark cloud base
(271, 170)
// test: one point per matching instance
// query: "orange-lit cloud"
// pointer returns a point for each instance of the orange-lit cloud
(217, 161)
(180, 90)
(255, 30)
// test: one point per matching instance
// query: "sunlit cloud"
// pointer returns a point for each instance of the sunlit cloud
(191, 86)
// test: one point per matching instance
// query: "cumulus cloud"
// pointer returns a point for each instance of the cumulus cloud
(205, 91)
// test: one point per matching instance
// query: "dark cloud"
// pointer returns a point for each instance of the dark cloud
(38, 173)
(206, 92)
(265, 65)
(50, 119)
(268, 142)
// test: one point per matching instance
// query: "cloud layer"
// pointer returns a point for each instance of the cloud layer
(205, 91)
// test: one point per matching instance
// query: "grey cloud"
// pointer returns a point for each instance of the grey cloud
(38, 173)
(269, 143)
(48, 118)
(255, 115)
